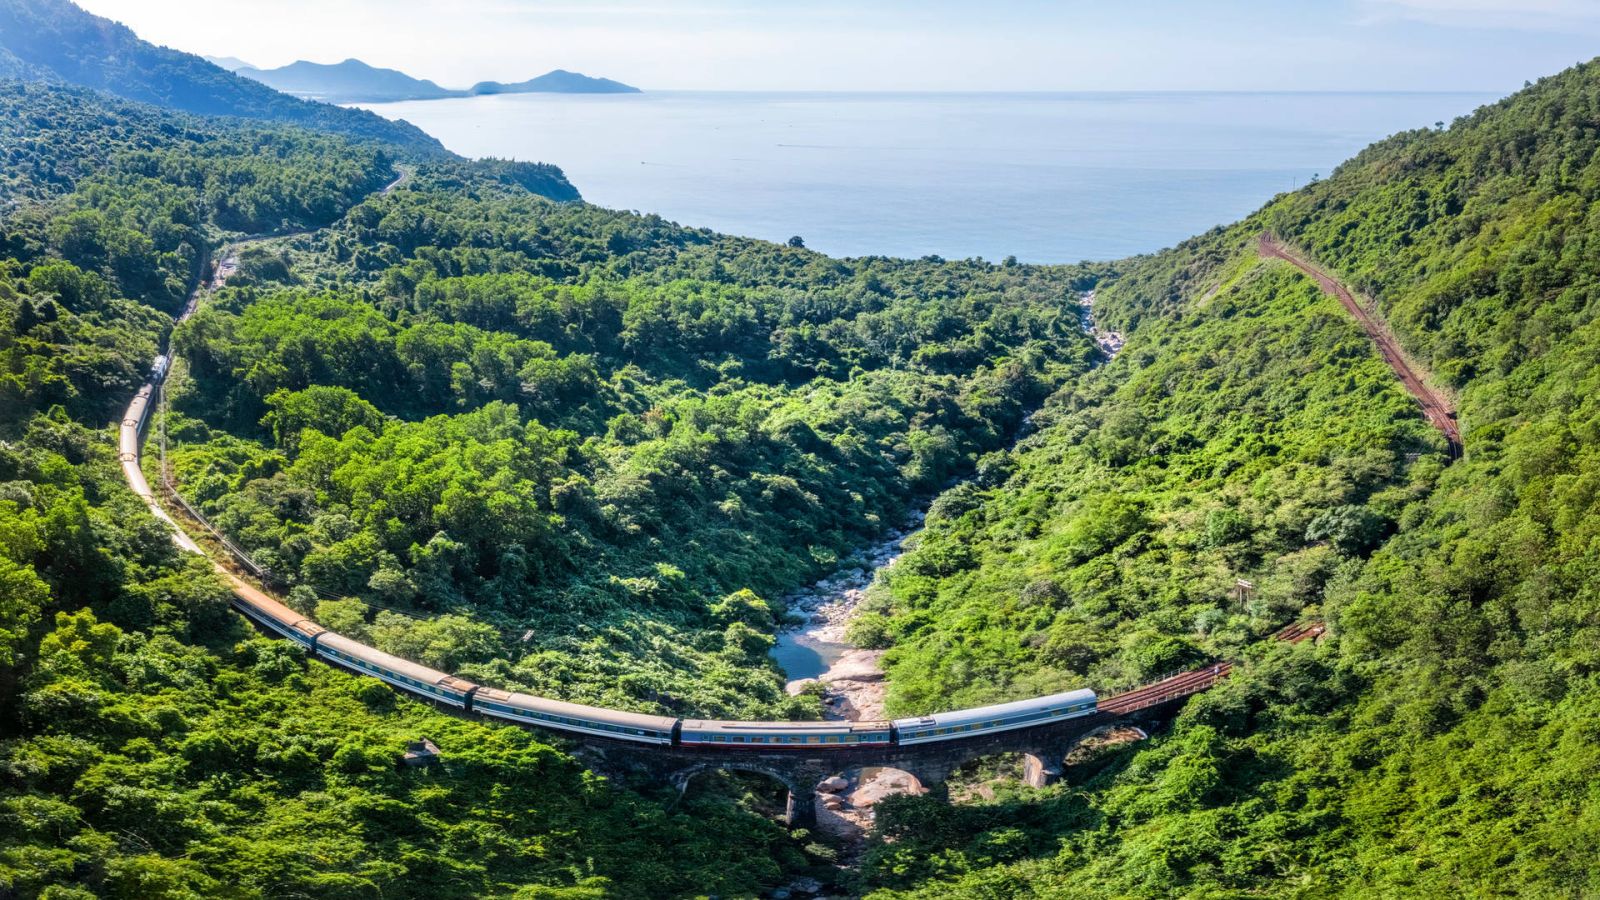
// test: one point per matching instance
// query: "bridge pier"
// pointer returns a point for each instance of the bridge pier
(801, 811)
(1041, 771)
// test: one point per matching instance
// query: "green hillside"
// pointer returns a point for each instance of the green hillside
(586, 437)
(1438, 742)
(151, 743)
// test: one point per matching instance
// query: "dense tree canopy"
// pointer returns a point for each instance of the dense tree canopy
(151, 745)
(584, 428)
(587, 452)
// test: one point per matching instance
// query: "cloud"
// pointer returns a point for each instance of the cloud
(1521, 15)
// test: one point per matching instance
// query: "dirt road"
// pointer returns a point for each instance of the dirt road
(1436, 407)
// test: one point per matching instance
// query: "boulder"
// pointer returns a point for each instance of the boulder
(833, 784)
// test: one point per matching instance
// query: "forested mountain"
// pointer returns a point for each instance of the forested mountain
(556, 81)
(231, 63)
(626, 428)
(55, 40)
(351, 81)
(601, 429)
(1439, 740)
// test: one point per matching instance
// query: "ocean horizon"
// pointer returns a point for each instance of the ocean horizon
(1046, 176)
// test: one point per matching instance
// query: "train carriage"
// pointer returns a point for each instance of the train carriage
(430, 684)
(525, 709)
(999, 717)
(270, 613)
(722, 735)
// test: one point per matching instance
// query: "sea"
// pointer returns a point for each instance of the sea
(1044, 177)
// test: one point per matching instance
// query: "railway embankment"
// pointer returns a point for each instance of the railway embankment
(1437, 406)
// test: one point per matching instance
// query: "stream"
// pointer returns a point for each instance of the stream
(816, 650)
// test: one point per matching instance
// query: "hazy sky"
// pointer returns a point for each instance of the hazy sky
(1491, 45)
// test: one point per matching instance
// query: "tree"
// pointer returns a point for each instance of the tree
(22, 596)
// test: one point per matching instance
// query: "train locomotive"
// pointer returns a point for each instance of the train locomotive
(576, 718)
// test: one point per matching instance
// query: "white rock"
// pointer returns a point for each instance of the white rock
(832, 784)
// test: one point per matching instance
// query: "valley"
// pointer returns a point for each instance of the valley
(1309, 501)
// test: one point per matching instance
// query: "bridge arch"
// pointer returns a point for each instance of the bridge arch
(681, 778)
(1034, 764)
(800, 803)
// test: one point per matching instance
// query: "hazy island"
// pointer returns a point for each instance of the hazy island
(354, 81)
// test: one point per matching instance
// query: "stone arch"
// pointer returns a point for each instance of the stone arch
(847, 812)
(802, 793)
(1040, 765)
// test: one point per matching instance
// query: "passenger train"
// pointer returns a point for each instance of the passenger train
(525, 709)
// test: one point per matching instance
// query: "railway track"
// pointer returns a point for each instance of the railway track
(1187, 684)
(1436, 407)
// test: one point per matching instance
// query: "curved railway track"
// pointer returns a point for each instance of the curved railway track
(437, 687)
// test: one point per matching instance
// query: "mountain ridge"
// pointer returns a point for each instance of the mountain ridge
(356, 81)
(56, 40)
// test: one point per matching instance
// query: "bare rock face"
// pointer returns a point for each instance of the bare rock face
(855, 686)
(876, 784)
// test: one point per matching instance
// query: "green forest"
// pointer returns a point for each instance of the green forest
(483, 425)
(594, 449)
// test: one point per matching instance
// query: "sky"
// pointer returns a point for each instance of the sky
(932, 45)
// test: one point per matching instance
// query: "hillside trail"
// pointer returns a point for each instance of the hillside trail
(228, 262)
(1436, 406)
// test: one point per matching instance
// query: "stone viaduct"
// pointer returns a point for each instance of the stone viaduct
(1043, 747)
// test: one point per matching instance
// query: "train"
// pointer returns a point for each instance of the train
(575, 718)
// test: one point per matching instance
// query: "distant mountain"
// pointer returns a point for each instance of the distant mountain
(54, 40)
(351, 81)
(231, 63)
(559, 81)
(354, 81)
